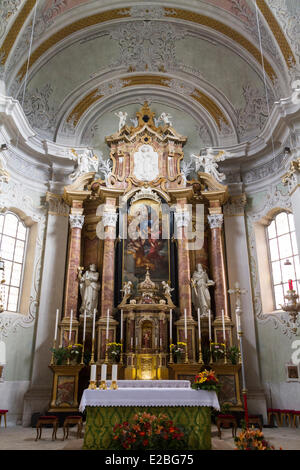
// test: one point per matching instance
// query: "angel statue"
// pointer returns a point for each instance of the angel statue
(165, 117)
(200, 293)
(89, 289)
(85, 161)
(209, 162)
(167, 289)
(127, 288)
(122, 118)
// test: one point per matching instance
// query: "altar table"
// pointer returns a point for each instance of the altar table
(187, 408)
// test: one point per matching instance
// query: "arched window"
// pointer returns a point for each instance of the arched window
(13, 237)
(284, 256)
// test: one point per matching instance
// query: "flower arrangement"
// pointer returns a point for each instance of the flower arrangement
(178, 350)
(72, 352)
(206, 380)
(114, 351)
(218, 350)
(148, 431)
(252, 439)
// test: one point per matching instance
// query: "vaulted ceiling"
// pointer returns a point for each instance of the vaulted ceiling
(216, 66)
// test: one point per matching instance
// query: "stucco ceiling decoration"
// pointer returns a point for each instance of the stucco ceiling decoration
(117, 14)
(164, 81)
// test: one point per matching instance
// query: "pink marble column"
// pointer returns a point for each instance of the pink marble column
(72, 283)
(218, 264)
(109, 220)
(184, 273)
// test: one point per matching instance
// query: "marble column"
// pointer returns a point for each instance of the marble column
(182, 219)
(218, 264)
(51, 298)
(72, 282)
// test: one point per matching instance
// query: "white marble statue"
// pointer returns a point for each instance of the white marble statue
(127, 288)
(209, 162)
(165, 117)
(122, 118)
(145, 163)
(89, 289)
(186, 169)
(86, 162)
(105, 167)
(167, 289)
(200, 293)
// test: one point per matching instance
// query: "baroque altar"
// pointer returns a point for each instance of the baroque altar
(139, 230)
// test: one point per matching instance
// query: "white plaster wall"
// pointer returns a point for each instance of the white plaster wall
(12, 398)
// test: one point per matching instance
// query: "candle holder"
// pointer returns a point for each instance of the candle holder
(82, 353)
(186, 359)
(92, 361)
(210, 353)
(292, 307)
(92, 385)
(103, 385)
(106, 352)
(121, 354)
(200, 361)
(114, 385)
(171, 353)
(225, 353)
(52, 355)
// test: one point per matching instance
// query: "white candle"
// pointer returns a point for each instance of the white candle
(2, 353)
(114, 372)
(223, 324)
(199, 325)
(185, 325)
(237, 325)
(121, 332)
(93, 373)
(107, 324)
(237, 285)
(70, 331)
(56, 325)
(94, 321)
(84, 325)
(209, 324)
(170, 323)
(103, 372)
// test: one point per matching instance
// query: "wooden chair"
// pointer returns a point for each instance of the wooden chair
(226, 421)
(73, 420)
(3, 413)
(286, 417)
(272, 412)
(296, 415)
(45, 420)
(254, 420)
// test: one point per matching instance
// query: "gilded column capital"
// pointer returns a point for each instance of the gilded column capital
(76, 221)
(215, 220)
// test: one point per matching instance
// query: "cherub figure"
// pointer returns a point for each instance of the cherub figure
(167, 289)
(122, 118)
(209, 162)
(85, 161)
(165, 117)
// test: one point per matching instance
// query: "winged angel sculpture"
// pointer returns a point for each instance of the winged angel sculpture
(85, 161)
(209, 161)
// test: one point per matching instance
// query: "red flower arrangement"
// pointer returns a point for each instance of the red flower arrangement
(206, 380)
(148, 431)
(252, 439)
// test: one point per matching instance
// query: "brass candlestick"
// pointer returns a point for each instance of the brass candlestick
(52, 356)
(82, 353)
(200, 361)
(186, 359)
(106, 352)
(171, 353)
(114, 385)
(103, 385)
(92, 385)
(225, 354)
(92, 361)
(210, 353)
(121, 353)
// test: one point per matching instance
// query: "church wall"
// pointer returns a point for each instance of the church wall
(274, 343)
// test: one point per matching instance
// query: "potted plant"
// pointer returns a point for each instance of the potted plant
(178, 351)
(74, 353)
(60, 355)
(233, 354)
(114, 351)
(252, 439)
(206, 380)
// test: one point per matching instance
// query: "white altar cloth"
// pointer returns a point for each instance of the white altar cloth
(149, 397)
(152, 383)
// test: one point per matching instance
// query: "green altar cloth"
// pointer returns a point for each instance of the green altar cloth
(100, 420)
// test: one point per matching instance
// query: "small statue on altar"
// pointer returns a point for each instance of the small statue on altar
(122, 118)
(89, 289)
(200, 292)
(167, 289)
(127, 288)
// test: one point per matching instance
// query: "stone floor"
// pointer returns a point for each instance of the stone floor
(19, 438)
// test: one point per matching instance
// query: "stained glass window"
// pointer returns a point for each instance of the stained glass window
(13, 236)
(284, 256)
